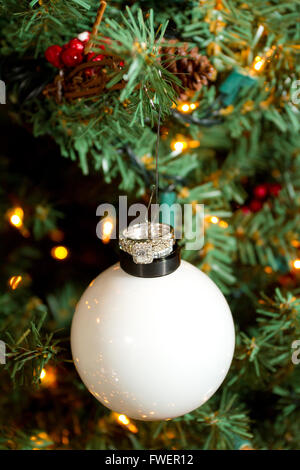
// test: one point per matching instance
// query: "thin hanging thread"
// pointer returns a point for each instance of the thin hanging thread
(156, 156)
(155, 187)
(156, 149)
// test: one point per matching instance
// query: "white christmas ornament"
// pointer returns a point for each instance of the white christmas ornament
(152, 348)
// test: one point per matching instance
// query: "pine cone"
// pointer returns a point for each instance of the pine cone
(193, 69)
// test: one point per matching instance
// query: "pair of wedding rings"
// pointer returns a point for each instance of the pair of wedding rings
(147, 241)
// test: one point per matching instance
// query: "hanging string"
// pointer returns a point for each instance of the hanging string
(156, 157)
(155, 187)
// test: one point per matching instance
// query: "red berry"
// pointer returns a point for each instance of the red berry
(274, 189)
(286, 280)
(246, 210)
(260, 191)
(84, 36)
(52, 54)
(71, 57)
(95, 58)
(98, 58)
(90, 56)
(121, 64)
(255, 205)
(76, 44)
(89, 72)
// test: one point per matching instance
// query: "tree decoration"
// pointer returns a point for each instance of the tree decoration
(119, 343)
(71, 57)
(77, 44)
(274, 189)
(246, 126)
(193, 69)
(85, 80)
(255, 205)
(82, 81)
(53, 55)
(261, 191)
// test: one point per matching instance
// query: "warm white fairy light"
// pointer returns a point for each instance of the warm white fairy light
(296, 263)
(258, 63)
(125, 421)
(179, 146)
(14, 282)
(107, 231)
(48, 377)
(187, 107)
(59, 252)
(16, 216)
(223, 224)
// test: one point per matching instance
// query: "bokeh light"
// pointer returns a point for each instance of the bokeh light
(14, 282)
(59, 252)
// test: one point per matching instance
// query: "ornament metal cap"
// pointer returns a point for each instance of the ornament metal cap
(149, 250)
(159, 266)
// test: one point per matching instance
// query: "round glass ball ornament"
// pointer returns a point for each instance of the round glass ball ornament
(152, 348)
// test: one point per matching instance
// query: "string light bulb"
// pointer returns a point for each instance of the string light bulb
(184, 107)
(14, 282)
(125, 421)
(296, 263)
(107, 230)
(179, 145)
(187, 107)
(15, 220)
(223, 224)
(214, 219)
(41, 441)
(258, 63)
(16, 216)
(48, 377)
(194, 144)
(59, 252)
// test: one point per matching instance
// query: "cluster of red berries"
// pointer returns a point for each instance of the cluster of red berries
(261, 192)
(72, 53)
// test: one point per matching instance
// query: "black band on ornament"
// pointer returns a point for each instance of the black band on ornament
(159, 267)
